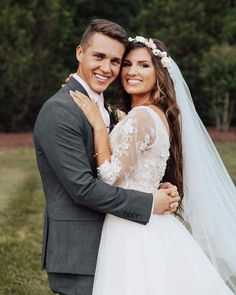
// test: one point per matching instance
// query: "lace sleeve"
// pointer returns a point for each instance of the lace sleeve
(135, 134)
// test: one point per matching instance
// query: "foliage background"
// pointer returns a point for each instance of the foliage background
(38, 40)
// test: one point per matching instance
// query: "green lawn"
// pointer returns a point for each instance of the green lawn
(21, 215)
(228, 153)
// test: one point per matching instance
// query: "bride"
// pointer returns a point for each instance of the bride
(162, 137)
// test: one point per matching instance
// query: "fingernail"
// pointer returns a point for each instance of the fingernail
(71, 92)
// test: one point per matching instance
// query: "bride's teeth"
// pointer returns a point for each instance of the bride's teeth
(134, 82)
(101, 77)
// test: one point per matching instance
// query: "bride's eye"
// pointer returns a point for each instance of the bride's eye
(144, 65)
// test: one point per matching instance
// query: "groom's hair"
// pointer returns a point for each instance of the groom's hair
(107, 28)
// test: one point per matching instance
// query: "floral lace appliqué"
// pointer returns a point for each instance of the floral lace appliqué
(143, 145)
(109, 172)
(140, 146)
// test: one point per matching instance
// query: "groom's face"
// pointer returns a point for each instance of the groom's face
(99, 61)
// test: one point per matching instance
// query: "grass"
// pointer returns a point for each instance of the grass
(228, 154)
(21, 217)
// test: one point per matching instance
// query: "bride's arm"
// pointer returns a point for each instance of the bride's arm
(136, 134)
(101, 138)
(101, 145)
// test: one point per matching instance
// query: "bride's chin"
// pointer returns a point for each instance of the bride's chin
(132, 91)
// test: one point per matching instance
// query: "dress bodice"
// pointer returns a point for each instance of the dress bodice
(140, 150)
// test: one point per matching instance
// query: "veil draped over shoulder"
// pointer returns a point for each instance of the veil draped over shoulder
(209, 194)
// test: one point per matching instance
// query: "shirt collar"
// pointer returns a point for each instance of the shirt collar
(95, 97)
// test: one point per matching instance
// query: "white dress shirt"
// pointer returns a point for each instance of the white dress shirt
(95, 97)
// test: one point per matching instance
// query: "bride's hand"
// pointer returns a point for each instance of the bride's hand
(89, 109)
(67, 80)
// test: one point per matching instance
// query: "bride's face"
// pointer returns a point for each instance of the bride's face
(138, 75)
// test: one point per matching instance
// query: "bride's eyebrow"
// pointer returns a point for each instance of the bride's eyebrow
(141, 61)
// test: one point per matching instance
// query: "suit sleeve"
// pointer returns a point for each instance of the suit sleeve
(59, 134)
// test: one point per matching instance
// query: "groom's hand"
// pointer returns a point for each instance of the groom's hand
(174, 205)
(166, 185)
(166, 199)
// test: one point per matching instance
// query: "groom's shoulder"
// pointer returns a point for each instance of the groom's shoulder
(61, 97)
(59, 102)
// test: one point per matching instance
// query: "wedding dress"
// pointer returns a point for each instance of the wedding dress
(162, 257)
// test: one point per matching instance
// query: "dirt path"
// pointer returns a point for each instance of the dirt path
(218, 136)
(12, 140)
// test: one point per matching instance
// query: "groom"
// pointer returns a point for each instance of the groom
(76, 200)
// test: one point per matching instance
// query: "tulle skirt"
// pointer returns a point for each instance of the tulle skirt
(160, 258)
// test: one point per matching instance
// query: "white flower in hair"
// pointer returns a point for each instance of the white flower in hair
(156, 52)
(165, 60)
(140, 39)
(149, 43)
(163, 54)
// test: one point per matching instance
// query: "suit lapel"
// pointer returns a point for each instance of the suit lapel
(74, 85)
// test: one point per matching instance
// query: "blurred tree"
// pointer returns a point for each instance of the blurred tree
(219, 73)
(38, 40)
(189, 29)
(37, 44)
(33, 34)
(229, 26)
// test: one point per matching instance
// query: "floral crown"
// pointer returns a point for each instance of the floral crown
(165, 60)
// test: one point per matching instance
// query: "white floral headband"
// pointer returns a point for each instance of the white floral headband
(165, 60)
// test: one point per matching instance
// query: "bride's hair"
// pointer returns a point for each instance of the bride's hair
(163, 96)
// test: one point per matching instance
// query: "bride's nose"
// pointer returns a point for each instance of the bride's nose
(133, 70)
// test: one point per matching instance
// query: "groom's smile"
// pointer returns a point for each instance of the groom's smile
(99, 61)
(101, 78)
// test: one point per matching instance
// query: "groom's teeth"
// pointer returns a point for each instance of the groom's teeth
(101, 77)
(134, 82)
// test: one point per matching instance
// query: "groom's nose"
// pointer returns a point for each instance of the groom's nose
(105, 66)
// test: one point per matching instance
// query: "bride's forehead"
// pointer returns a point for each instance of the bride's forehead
(139, 54)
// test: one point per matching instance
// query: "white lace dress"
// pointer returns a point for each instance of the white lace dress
(160, 258)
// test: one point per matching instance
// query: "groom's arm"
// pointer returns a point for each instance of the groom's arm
(59, 133)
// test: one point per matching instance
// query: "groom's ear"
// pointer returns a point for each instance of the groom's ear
(79, 53)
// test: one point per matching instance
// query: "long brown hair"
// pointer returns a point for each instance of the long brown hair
(162, 96)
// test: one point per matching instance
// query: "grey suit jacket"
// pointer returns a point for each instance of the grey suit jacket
(76, 200)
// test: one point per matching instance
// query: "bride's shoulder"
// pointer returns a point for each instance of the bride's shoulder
(140, 113)
(120, 114)
(149, 116)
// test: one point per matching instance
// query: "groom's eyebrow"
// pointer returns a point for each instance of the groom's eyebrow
(145, 60)
(99, 53)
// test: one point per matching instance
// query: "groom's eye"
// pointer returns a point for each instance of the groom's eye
(116, 61)
(98, 56)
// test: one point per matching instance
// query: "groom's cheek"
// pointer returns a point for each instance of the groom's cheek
(116, 72)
